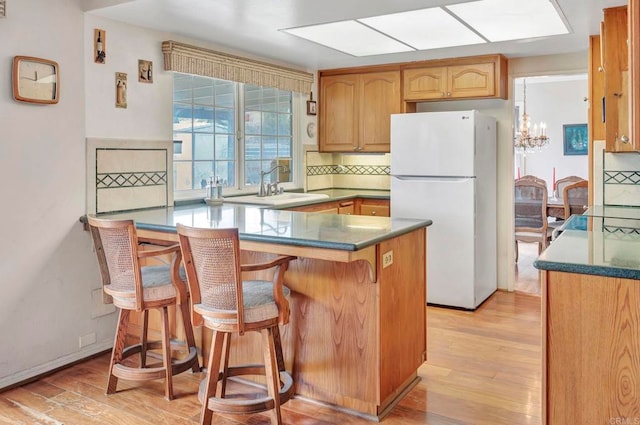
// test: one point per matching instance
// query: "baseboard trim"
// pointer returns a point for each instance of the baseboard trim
(29, 375)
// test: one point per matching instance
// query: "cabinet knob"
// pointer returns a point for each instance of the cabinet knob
(449, 94)
(373, 212)
(624, 139)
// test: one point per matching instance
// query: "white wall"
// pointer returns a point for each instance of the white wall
(556, 103)
(48, 268)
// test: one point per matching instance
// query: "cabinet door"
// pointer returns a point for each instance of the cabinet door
(338, 113)
(596, 90)
(616, 79)
(471, 80)
(634, 72)
(425, 83)
(346, 208)
(379, 98)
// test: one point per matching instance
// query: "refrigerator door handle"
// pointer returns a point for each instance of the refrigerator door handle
(436, 179)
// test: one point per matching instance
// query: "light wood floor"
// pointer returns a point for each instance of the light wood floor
(482, 368)
(527, 277)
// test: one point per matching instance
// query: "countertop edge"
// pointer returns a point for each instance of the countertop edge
(587, 269)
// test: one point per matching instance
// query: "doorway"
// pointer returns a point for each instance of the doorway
(561, 102)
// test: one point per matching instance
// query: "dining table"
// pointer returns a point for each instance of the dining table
(555, 207)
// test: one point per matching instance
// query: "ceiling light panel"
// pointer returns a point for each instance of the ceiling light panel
(501, 20)
(350, 37)
(423, 29)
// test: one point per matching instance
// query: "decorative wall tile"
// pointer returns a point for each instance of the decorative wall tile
(128, 174)
(621, 179)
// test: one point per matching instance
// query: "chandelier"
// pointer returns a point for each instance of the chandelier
(529, 140)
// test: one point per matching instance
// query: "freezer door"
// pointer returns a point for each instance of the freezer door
(433, 144)
(450, 204)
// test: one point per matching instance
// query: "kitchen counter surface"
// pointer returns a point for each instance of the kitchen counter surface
(595, 244)
(260, 224)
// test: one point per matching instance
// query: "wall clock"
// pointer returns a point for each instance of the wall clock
(35, 80)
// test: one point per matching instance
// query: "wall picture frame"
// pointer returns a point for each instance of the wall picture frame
(145, 71)
(121, 90)
(575, 139)
(99, 46)
(311, 107)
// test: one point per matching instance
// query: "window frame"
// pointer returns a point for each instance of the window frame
(240, 187)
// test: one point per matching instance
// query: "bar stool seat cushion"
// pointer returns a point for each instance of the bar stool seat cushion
(156, 285)
(258, 301)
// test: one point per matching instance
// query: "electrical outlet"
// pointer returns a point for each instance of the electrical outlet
(88, 339)
(387, 259)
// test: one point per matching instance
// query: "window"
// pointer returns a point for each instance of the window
(229, 131)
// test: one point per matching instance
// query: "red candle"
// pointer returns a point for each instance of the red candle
(518, 172)
(554, 179)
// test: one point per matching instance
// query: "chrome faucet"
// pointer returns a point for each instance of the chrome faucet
(272, 188)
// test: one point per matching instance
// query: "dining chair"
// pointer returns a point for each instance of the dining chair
(564, 182)
(133, 286)
(533, 178)
(576, 198)
(531, 213)
(228, 304)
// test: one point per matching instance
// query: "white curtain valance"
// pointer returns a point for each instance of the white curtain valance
(189, 59)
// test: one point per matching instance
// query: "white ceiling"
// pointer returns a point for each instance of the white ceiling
(254, 27)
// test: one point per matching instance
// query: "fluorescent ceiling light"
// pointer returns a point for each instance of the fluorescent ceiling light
(425, 29)
(350, 37)
(501, 20)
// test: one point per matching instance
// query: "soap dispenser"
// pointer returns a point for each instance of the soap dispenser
(214, 192)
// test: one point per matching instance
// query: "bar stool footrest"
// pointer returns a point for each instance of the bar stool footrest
(244, 406)
(149, 373)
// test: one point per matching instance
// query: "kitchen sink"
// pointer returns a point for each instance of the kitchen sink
(283, 198)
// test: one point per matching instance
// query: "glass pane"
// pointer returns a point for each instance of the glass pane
(269, 148)
(203, 118)
(186, 147)
(252, 122)
(269, 123)
(252, 97)
(252, 173)
(225, 93)
(284, 125)
(284, 101)
(202, 172)
(225, 146)
(202, 91)
(225, 120)
(181, 117)
(284, 147)
(203, 147)
(226, 171)
(269, 99)
(182, 175)
(252, 147)
(181, 88)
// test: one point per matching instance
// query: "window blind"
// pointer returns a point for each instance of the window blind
(195, 60)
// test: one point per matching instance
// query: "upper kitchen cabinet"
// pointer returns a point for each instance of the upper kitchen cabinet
(617, 88)
(462, 78)
(355, 110)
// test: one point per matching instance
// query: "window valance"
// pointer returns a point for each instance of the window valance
(189, 59)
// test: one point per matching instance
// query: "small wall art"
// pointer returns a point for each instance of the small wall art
(145, 71)
(3, 10)
(575, 139)
(311, 106)
(99, 45)
(121, 90)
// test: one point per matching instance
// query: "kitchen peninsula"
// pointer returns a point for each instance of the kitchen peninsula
(357, 333)
(591, 319)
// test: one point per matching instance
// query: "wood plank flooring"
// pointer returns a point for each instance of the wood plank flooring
(527, 277)
(482, 368)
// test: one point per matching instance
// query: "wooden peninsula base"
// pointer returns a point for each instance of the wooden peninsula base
(357, 333)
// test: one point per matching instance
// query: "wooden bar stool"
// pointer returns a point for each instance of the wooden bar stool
(229, 305)
(134, 287)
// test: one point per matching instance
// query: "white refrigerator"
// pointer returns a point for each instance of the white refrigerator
(443, 168)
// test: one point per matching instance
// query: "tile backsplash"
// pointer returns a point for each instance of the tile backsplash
(621, 179)
(128, 174)
(346, 171)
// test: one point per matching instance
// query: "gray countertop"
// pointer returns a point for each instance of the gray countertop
(260, 224)
(603, 242)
